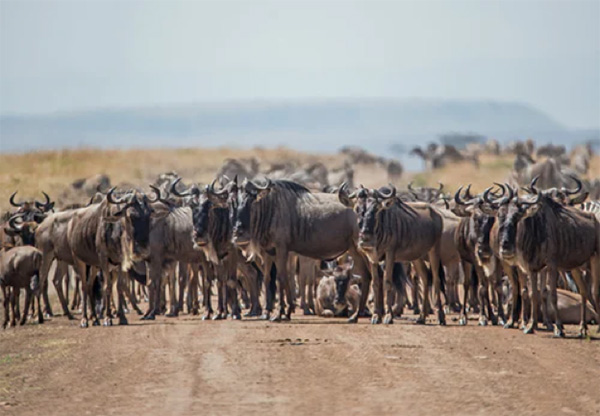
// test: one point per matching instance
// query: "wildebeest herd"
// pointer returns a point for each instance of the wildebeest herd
(514, 255)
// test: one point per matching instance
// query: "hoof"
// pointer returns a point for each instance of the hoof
(107, 322)
(148, 318)
(123, 321)
(462, 321)
(265, 316)
(195, 312)
(48, 315)
(353, 320)
(277, 318)
(365, 313)
(389, 319)
(172, 315)
(96, 322)
(509, 324)
(139, 312)
(375, 319)
(206, 317)
(558, 332)
(236, 317)
(251, 314)
(420, 320)
(307, 312)
(417, 311)
(442, 322)
(529, 330)
(84, 323)
(218, 317)
(483, 322)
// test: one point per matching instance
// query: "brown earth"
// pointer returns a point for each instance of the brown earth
(311, 365)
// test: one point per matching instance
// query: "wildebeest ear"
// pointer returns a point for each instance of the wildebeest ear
(386, 203)
(10, 231)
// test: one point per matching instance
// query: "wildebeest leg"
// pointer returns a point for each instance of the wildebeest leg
(467, 270)
(361, 267)
(544, 281)
(281, 262)
(13, 303)
(60, 273)
(390, 292)
(525, 298)
(583, 290)
(80, 273)
(498, 286)
(193, 289)
(421, 269)
(6, 302)
(183, 279)
(416, 294)
(76, 291)
(232, 287)
(310, 284)
(378, 301)
(437, 271)
(171, 281)
(128, 289)
(221, 295)
(302, 289)
(47, 306)
(122, 288)
(270, 283)
(595, 270)
(483, 296)
(109, 278)
(207, 279)
(251, 277)
(552, 274)
(534, 304)
(155, 274)
(515, 293)
(28, 293)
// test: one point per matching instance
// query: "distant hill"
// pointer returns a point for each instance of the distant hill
(305, 125)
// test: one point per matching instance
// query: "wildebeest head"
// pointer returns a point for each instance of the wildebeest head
(17, 225)
(247, 195)
(342, 278)
(356, 200)
(377, 201)
(201, 202)
(481, 218)
(509, 214)
(33, 210)
(137, 211)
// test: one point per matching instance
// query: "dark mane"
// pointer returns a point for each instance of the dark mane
(292, 186)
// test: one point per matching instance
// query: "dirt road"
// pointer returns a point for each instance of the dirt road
(185, 366)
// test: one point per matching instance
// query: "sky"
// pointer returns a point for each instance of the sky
(70, 55)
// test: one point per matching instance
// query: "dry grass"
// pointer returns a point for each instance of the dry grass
(52, 171)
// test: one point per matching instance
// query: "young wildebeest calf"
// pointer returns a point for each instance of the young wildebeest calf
(337, 293)
(18, 266)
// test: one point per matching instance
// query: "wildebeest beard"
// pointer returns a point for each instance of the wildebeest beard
(280, 208)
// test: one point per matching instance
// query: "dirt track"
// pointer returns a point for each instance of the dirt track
(308, 366)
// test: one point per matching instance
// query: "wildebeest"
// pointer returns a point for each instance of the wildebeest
(19, 266)
(338, 293)
(396, 231)
(542, 233)
(282, 216)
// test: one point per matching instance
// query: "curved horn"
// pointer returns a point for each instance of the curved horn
(502, 188)
(110, 198)
(410, 188)
(486, 196)
(12, 200)
(441, 187)
(212, 190)
(158, 195)
(173, 189)
(11, 222)
(577, 190)
(262, 188)
(532, 185)
(468, 192)
(390, 195)
(457, 198)
(43, 205)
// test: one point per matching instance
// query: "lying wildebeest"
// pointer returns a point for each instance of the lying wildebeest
(338, 293)
(396, 231)
(542, 233)
(282, 216)
(19, 269)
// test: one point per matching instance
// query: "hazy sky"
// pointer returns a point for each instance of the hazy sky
(66, 55)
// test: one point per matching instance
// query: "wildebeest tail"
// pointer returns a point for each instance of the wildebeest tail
(399, 278)
(97, 293)
(442, 273)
